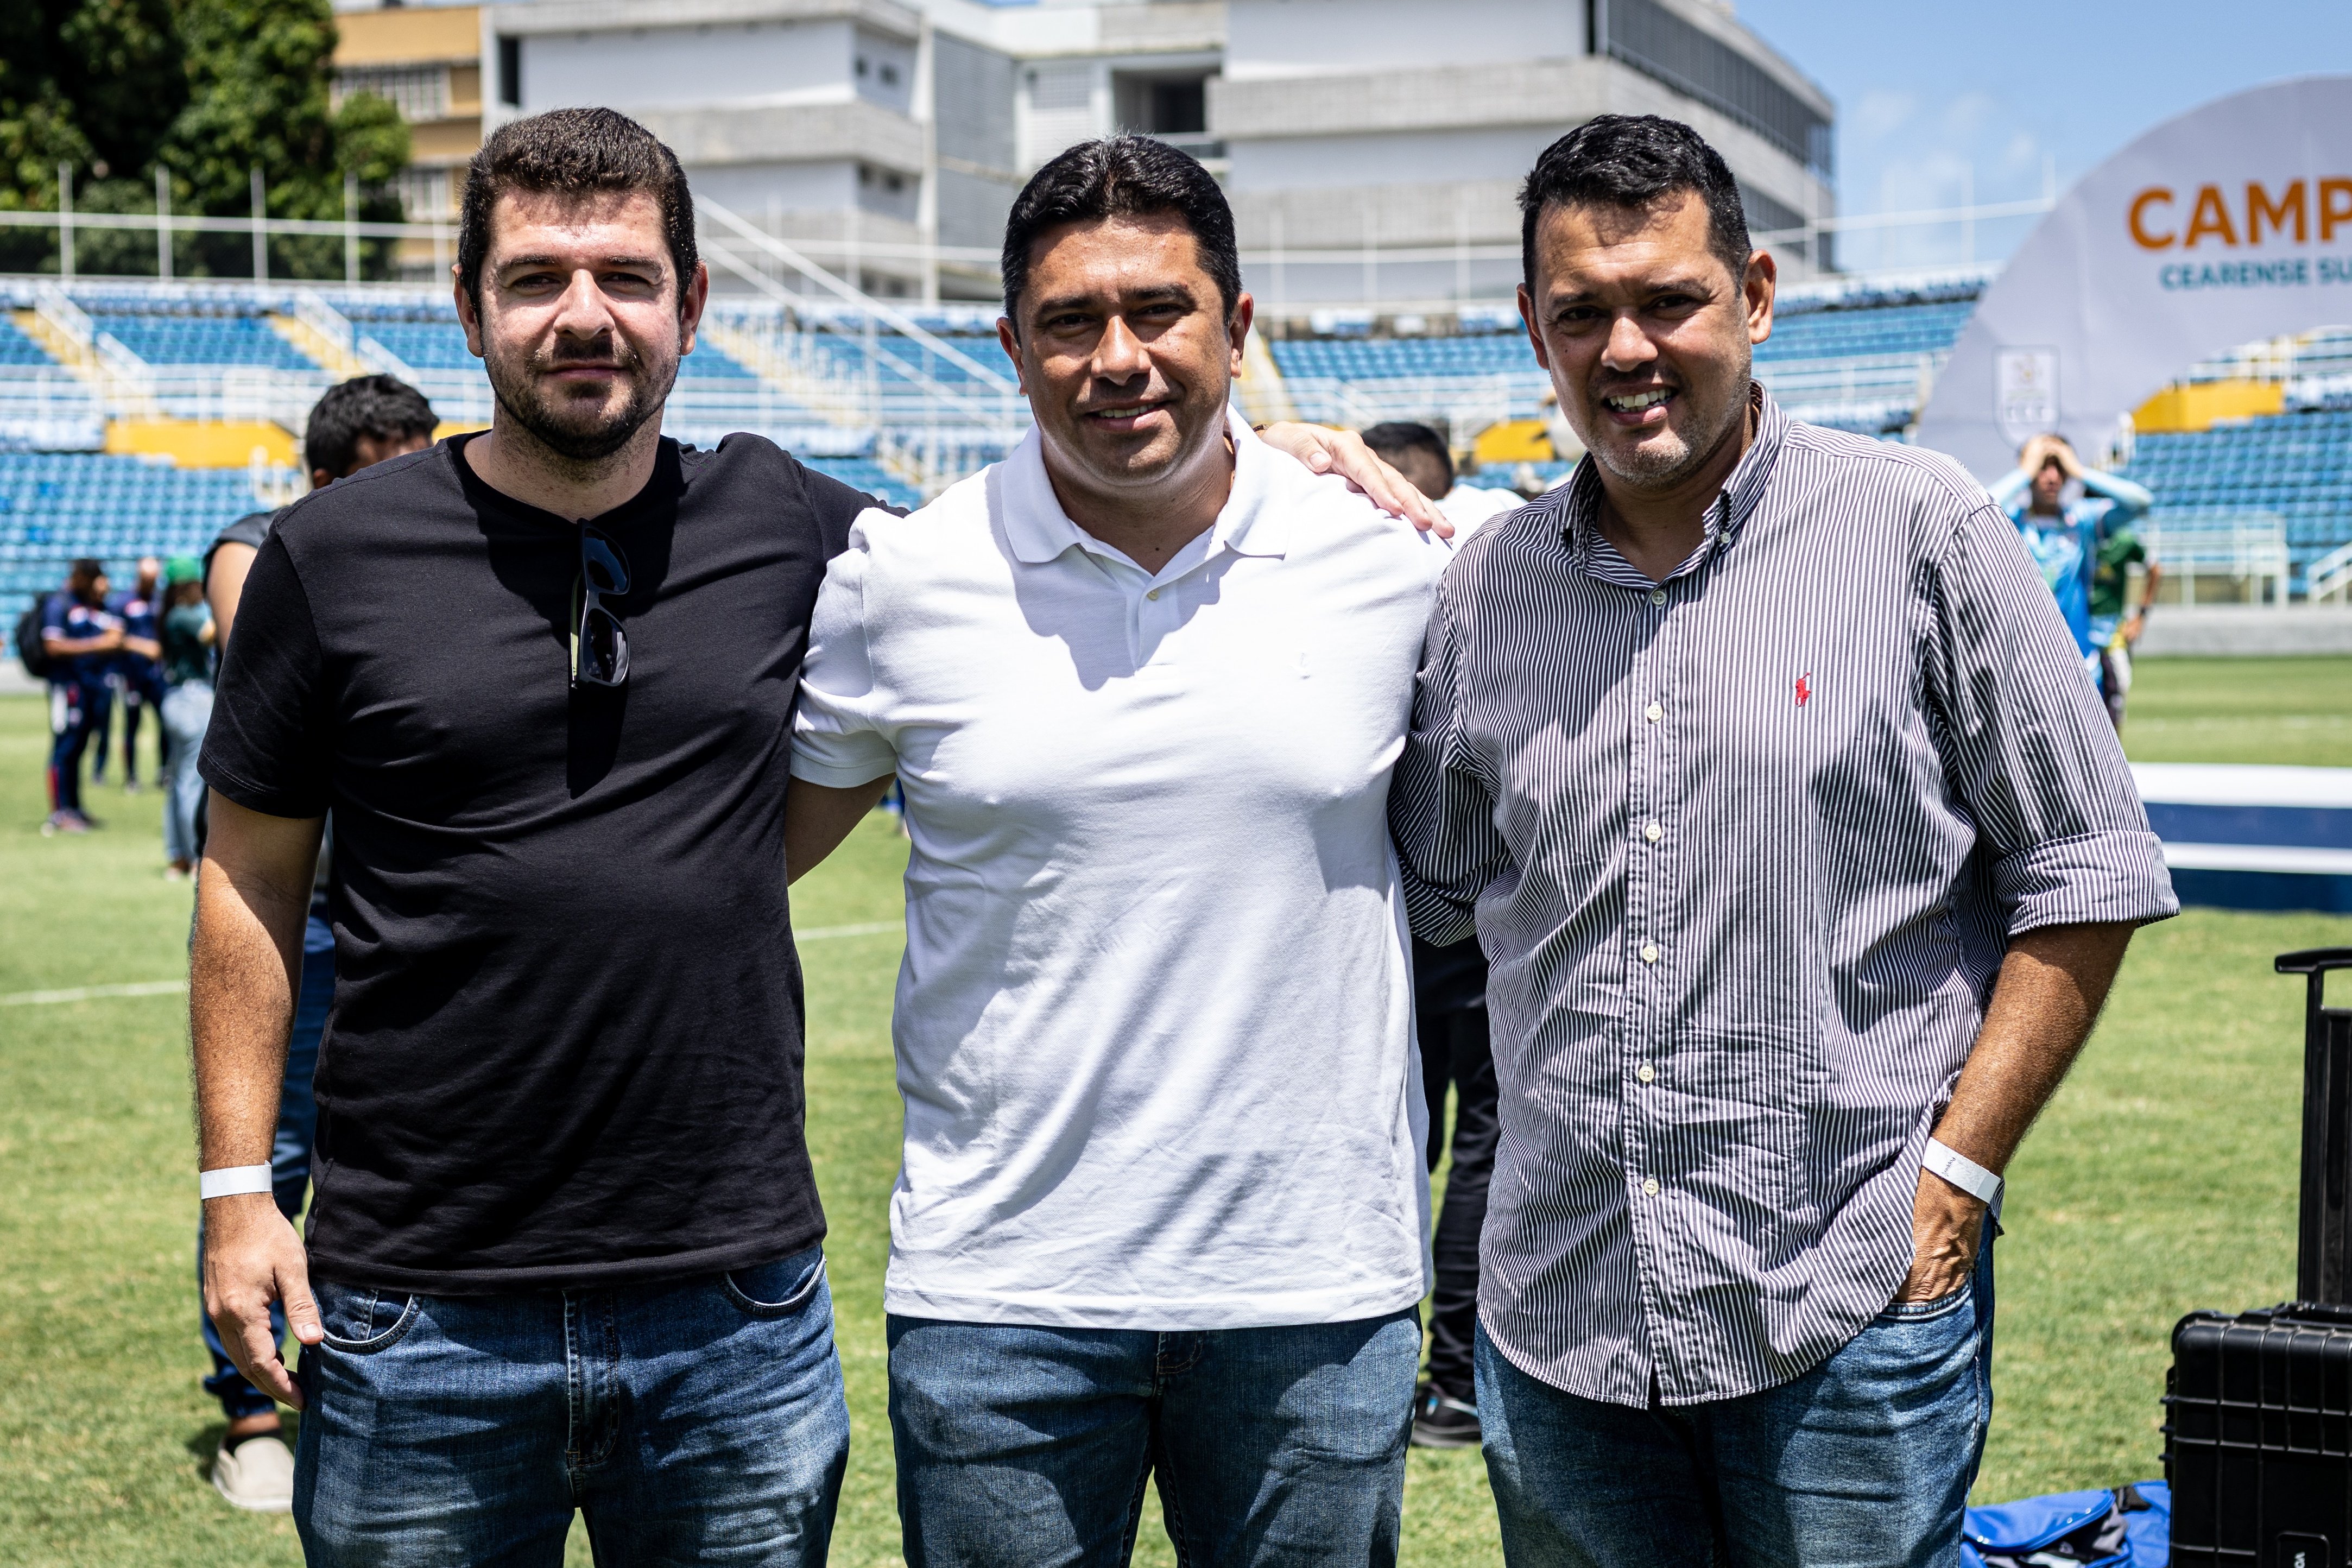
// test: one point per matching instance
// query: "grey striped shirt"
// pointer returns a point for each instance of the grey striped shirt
(1745, 850)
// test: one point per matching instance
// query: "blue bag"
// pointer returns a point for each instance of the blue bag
(2130, 1527)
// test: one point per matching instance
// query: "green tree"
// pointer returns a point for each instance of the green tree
(208, 88)
(258, 73)
(92, 84)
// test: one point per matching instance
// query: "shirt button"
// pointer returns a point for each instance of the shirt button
(1649, 1186)
(1649, 952)
(1645, 1073)
(1654, 712)
(1153, 594)
(1657, 595)
(1654, 833)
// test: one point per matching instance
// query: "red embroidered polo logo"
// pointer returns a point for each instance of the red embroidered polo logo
(1805, 688)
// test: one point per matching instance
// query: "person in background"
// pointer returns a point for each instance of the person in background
(2118, 615)
(1420, 454)
(186, 634)
(81, 636)
(2071, 541)
(362, 422)
(1449, 994)
(1449, 987)
(138, 676)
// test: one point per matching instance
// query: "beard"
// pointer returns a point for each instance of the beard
(1666, 460)
(577, 429)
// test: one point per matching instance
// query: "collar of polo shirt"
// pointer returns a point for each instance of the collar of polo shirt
(1038, 530)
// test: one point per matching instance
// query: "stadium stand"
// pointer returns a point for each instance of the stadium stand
(902, 404)
(2288, 472)
(55, 506)
(174, 339)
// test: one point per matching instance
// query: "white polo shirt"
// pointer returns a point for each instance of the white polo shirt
(1154, 1025)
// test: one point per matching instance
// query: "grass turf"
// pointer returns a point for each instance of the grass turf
(2162, 1179)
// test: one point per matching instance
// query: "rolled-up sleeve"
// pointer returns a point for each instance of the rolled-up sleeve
(2027, 747)
(1441, 803)
(839, 735)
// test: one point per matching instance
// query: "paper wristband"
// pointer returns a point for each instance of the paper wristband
(1963, 1173)
(232, 1180)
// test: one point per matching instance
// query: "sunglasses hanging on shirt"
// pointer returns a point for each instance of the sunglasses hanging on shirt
(600, 649)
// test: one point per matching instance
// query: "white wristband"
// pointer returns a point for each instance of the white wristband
(230, 1181)
(1964, 1173)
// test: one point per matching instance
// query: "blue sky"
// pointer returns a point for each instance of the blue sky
(1924, 93)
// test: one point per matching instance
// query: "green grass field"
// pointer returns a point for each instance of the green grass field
(2161, 1180)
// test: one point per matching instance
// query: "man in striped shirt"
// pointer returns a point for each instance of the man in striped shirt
(1762, 766)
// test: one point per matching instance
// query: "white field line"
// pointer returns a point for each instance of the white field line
(92, 992)
(173, 988)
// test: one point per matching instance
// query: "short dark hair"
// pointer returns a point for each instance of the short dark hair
(1633, 162)
(573, 153)
(1122, 176)
(83, 576)
(380, 407)
(1392, 440)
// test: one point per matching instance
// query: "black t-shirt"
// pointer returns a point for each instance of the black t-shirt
(566, 1043)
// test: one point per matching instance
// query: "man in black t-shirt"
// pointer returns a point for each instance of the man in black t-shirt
(563, 1249)
(563, 1238)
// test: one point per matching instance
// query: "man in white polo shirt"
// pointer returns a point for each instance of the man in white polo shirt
(1162, 1207)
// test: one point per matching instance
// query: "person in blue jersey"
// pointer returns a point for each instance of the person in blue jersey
(81, 636)
(138, 674)
(2065, 537)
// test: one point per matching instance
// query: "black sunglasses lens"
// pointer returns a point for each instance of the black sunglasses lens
(603, 648)
(601, 562)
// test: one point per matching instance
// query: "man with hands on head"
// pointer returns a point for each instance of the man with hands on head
(2085, 550)
(1764, 770)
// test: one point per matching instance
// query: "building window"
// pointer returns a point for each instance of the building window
(1174, 109)
(425, 193)
(419, 92)
(510, 72)
(890, 74)
(1657, 42)
(1768, 216)
(1180, 107)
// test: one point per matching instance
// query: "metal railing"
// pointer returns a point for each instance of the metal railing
(2248, 548)
(2330, 576)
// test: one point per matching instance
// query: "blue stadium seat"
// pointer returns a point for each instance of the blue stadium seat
(15, 348)
(55, 506)
(203, 340)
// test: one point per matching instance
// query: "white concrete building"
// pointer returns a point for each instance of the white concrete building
(1371, 148)
(1397, 133)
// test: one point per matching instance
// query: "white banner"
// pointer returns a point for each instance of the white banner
(2230, 224)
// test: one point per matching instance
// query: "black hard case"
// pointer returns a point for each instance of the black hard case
(2258, 1428)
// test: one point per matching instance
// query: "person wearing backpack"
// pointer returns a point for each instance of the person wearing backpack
(78, 639)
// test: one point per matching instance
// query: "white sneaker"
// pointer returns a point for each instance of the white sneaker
(256, 1475)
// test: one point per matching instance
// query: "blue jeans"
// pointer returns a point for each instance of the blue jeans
(697, 1421)
(76, 706)
(1025, 1448)
(1866, 1461)
(289, 1152)
(185, 712)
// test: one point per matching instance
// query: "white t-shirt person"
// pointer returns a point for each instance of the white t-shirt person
(1154, 1026)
